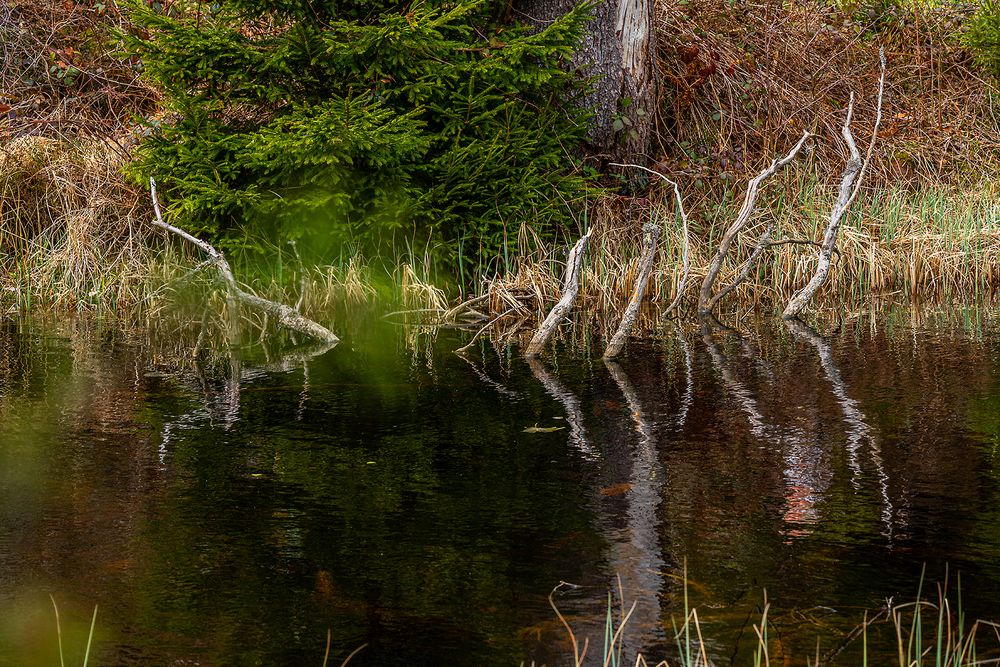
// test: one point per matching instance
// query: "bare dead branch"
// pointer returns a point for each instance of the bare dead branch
(850, 184)
(483, 329)
(763, 243)
(457, 310)
(652, 236)
(705, 300)
(684, 224)
(571, 286)
(771, 244)
(286, 316)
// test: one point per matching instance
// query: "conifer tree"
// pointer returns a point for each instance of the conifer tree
(361, 122)
(982, 35)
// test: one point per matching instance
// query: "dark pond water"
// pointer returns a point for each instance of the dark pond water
(387, 491)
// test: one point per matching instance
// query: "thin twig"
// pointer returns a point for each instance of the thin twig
(484, 328)
(578, 656)
(354, 653)
(878, 121)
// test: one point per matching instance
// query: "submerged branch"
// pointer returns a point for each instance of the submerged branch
(286, 316)
(482, 330)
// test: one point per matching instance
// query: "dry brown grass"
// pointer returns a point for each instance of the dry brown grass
(743, 80)
(72, 230)
(933, 244)
(58, 76)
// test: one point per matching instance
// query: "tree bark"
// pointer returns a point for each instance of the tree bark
(619, 54)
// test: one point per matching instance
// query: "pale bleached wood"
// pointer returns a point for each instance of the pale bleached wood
(850, 184)
(285, 315)
(705, 299)
(652, 236)
(686, 258)
(571, 287)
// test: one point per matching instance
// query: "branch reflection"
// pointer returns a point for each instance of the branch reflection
(859, 431)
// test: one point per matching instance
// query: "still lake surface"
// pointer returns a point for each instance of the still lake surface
(397, 495)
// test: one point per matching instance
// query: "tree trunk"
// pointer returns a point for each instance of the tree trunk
(619, 52)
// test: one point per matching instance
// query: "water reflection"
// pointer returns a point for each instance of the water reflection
(233, 510)
(221, 391)
(859, 432)
(742, 394)
(636, 553)
(571, 404)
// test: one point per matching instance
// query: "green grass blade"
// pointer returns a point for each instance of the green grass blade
(90, 637)
(62, 660)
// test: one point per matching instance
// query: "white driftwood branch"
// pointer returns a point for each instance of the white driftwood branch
(686, 260)
(652, 236)
(763, 243)
(850, 184)
(286, 316)
(878, 121)
(571, 286)
(705, 299)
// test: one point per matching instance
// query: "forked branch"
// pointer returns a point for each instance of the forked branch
(850, 184)
(705, 299)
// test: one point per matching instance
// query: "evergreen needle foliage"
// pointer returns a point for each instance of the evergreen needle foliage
(982, 35)
(361, 123)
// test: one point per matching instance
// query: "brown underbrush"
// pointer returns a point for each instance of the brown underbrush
(60, 76)
(743, 80)
(741, 83)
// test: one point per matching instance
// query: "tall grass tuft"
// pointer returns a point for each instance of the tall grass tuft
(931, 245)
(927, 633)
(72, 232)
